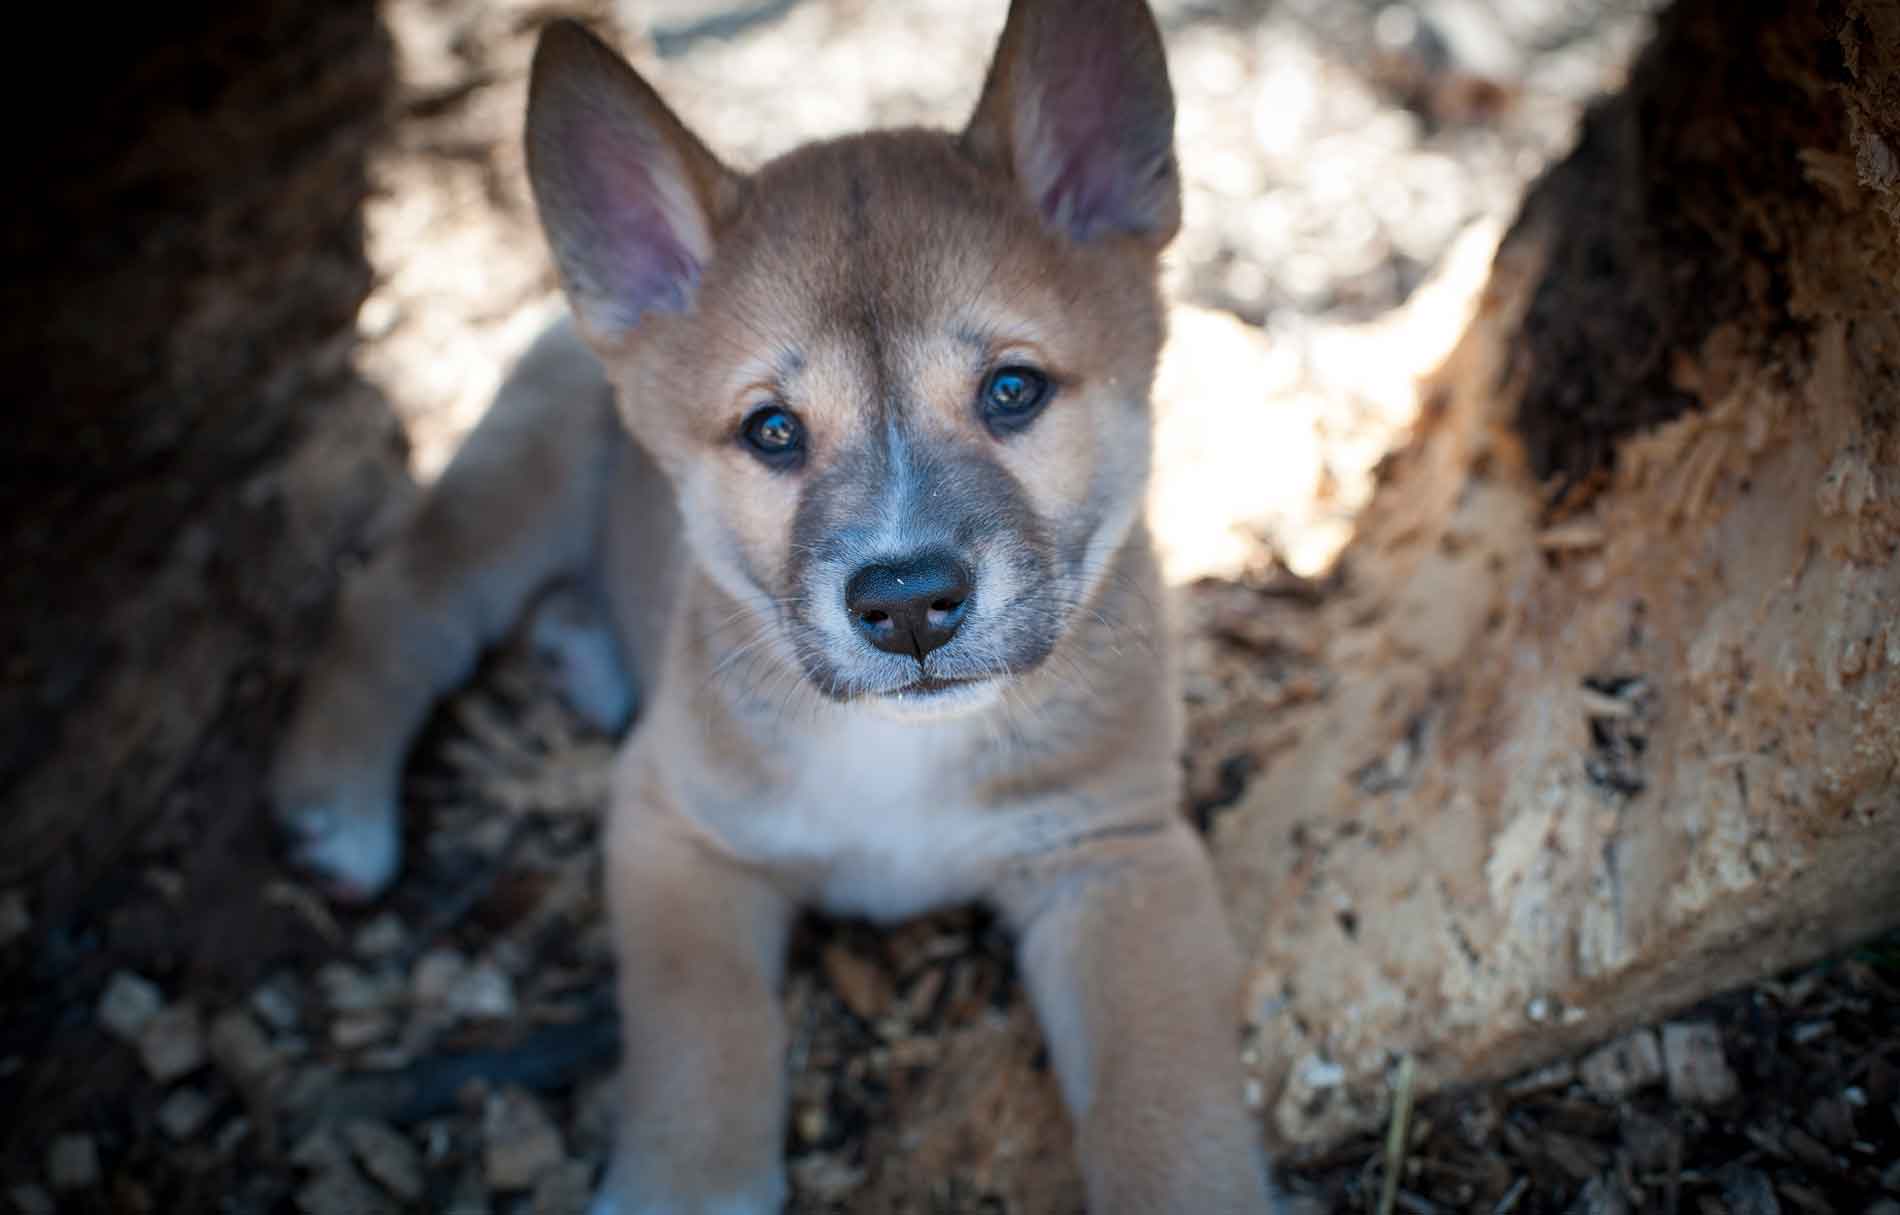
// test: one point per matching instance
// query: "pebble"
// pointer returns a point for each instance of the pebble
(240, 1049)
(172, 1044)
(128, 1005)
(520, 1145)
(1628, 1065)
(72, 1163)
(1698, 1072)
(32, 1200)
(388, 1157)
(184, 1113)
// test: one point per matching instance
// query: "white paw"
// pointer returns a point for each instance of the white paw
(573, 639)
(350, 840)
(618, 1196)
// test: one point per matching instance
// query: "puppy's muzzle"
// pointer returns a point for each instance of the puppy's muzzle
(910, 607)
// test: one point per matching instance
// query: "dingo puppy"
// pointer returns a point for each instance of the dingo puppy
(839, 473)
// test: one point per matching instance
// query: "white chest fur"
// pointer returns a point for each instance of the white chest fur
(881, 813)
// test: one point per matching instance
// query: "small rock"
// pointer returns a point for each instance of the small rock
(863, 987)
(388, 1157)
(382, 937)
(184, 1113)
(1693, 1060)
(240, 1049)
(32, 1200)
(172, 1045)
(340, 1191)
(520, 1145)
(484, 992)
(565, 1190)
(72, 1163)
(15, 920)
(1625, 1066)
(276, 1005)
(129, 1004)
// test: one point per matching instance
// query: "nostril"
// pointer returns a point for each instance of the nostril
(945, 605)
(874, 617)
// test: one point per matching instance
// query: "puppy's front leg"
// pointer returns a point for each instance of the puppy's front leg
(700, 944)
(1137, 981)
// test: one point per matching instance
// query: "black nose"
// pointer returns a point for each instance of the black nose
(910, 607)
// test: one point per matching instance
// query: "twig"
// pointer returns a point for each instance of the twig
(1395, 1140)
(546, 1059)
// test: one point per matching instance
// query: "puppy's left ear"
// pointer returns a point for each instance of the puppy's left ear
(1078, 109)
(629, 199)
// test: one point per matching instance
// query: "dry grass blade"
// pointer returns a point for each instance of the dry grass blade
(1396, 1136)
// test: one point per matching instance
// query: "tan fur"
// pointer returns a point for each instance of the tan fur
(870, 286)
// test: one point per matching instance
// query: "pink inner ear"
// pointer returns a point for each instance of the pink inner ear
(1092, 133)
(636, 201)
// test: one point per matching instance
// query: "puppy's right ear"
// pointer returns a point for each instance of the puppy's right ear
(629, 199)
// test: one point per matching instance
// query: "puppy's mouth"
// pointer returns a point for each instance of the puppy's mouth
(928, 686)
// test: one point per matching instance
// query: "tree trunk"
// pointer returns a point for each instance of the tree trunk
(1613, 707)
(191, 449)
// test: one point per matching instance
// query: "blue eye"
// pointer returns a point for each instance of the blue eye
(775, 435)
(1013, 396)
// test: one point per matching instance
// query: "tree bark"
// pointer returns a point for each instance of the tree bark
(1614, 706)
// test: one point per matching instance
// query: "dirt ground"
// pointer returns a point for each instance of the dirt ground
(190, 1035)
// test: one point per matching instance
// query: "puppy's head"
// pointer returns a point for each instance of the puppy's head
(899, 381)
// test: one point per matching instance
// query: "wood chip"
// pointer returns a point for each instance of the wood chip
(128, 1005)
(172, 1045)
(1628, 1065)
(341, 1191)
(184, 1113)
(72, 1163)
(863, 986)
(1698, 1071)
(32, 1200)
(565, 1190)
(241, 1050)
(388, 1157)
(519, 1143)
(1600, 1196)
(1748, 1192)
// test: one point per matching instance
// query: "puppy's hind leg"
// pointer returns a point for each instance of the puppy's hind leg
(518, 507)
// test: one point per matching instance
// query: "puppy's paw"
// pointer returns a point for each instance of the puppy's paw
(349, 839)
(619, 1196)
(573, 639)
